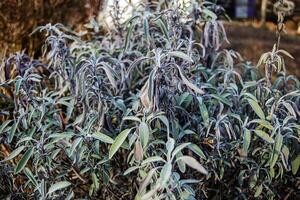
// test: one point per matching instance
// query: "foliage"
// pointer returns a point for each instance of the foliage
(155, 109)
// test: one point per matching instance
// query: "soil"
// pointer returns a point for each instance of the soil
(252, 42)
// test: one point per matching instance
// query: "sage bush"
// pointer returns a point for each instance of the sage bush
(154, 108)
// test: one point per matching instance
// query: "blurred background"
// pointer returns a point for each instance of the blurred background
(251, 28)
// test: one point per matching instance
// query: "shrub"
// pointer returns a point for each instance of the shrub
(155, 109)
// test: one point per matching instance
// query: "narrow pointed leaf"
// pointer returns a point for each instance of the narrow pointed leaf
(203, 111)
(4, 125)
(257, 109)
(197, 150)
(153, 159)
(30, 176)
(22, 163)
(181, 55)
(12, 132)
(277, 149)
(179, 148)
(246, 141)
(263, 135)
(296, 164)
(58, 186)
(118, 142)
(103, 138)
(147, 180)
(193, 163)
(144, 133)
(14, 153)
(165, 174)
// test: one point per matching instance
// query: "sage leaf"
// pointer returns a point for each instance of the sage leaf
(263, 135)
(58, 186)
(193, 163)
(102, 137)
(13, 154)
(23, 161)
(257, 109)
(118, 142)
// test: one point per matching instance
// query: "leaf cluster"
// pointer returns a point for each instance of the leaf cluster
(155, 109)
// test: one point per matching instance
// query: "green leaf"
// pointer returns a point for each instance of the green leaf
(147, 179)
(165, 174)
(131, 169)
(258, 190)
(170, 146)
(118, 142)
(3, 126)
(95, 181)
(179, 148)
(165, 120)
(203, 111)
(23, 161)
(193, 163)
(188, 83)
(30, 176)
(285, 157)
(58, 186)
(222, 99)
(296, 164)
(246, 141)
(250, 96)
(128, 36)
(65, 135)
(277, 149)
(263, 135)
(79, 119)
(257, 109)
(110, 73)
(151, 84)
(285, 53)
(149, 194)
(290, 108)
(263, 123)
(144, 133)
(163, 28)
(181, 55)
(18, 84)
(153, 159)
(14, 153)
(13, 131)
(103, 138)
(180, 163)
(75, 144)
(253, 181)
(182, 98)
(197, 150)
(132, 118)
(146, 30)
(272, 172)
(210, 14)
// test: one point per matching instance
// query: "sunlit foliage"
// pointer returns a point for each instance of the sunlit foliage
(155, 109)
